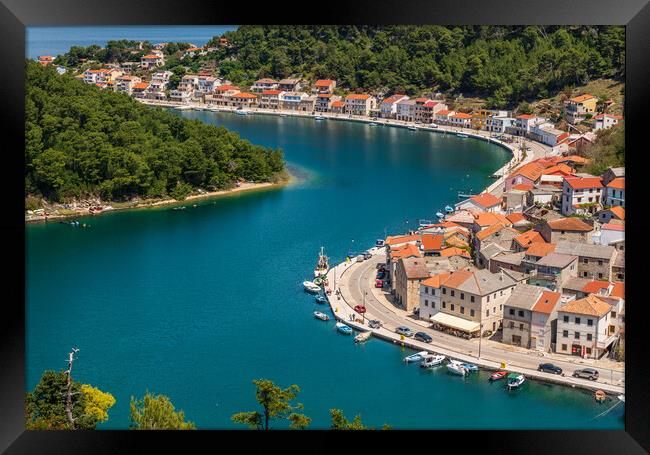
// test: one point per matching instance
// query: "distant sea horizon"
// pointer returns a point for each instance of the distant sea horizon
(58, 40)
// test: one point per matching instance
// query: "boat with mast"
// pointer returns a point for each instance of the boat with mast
(323, 264)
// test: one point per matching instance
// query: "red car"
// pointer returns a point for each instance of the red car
(360, 309)
(379, 283)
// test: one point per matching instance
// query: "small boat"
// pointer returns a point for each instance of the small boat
(283, 115)
(344, 329)
(413, 127)
(600, 396)
(372, 124)
(461, 135)
(515, 380)
(470, 367)
(449, 209)
(310, 286)
(455, 367)
(363, 336)
(322, 266)
(321, 316)
(621, 398)
(432, 360)
(318, 281)
(498, 375)
(416, 357)
(440, 214)
(321, 299)
(241, 112)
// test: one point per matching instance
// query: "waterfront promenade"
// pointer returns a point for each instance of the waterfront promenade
(355, 282)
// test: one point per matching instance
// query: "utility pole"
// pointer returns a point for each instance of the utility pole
(68, 398)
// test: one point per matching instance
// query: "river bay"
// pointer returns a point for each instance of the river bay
(197, 303)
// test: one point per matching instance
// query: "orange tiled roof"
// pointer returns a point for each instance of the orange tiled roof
(323, 83)
(540, 249)
(584, 182)
(357, 97)
(618, 183)
(590, 306)
(559, 169)
(614, 227)
(594, 286)
(150, 56)
(618, 211)
(454, 251)
(528, 238)
(405, 251)
(436, 280)
(444, 112)
(395, 239)
(486, 200)
(245, 95)
(432, 242)
(141, 85)
(618, 290)
(338, 104)
(569, 224)
(582, 98)
(457, 278)
(532, 171)
(523, 187)
(461, 115)
(546, 302)
(526, 116)
(515, 217)
(225, 88)
(484, 219)
(271, 92)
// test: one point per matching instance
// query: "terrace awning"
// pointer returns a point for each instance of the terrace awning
(455, 322)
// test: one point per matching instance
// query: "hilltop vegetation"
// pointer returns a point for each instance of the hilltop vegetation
(82, 141)
(504, 64)
(608, 150)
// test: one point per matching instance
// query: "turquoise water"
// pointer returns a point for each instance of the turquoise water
(195, 304)
(58, 40)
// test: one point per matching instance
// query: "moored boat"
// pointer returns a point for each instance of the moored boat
(449, 209)
(461, 135)
(241, 112)
(415, 357)
(321, 316)
(413, 127)
(440, 214)
(363, 336)
(372, 124)
(455, 367)
(344, 329)
(319, 117)
(432, 360)
(515, 380)
(469, 367)
(310, 286)
(498, 375)
(322, 266)
(321, 299)
(600, 396)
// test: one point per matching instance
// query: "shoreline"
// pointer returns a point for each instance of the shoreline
(157, 203)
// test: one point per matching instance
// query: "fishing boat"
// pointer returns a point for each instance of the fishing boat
(449, 209)
(322, 266)
(321, 316)
(310, 286)
(461, 135)
(344, 329)
(415, 357)
(432, 360)
(515, 380)
(321, 299)
(498, 375)
(363, 336)
(455, 367)
(469, 367)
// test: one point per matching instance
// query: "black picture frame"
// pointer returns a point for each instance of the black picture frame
(15, 15)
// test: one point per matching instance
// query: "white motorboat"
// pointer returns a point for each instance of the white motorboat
(415, 357)
(241, 112)
(413, 127)
(515, 380)
(310, 286)
(432, 360)
(455, 367)
(461, 135)
(321, 316)
(372, 124)
(319, 117)
(322, 266)
(363, 336)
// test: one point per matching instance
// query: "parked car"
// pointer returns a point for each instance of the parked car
(360, 309)
(379, 283)
(374, 324)
(587, 373)
(421, 336)
(367, 255)
(381, 274)
(403, 330)
(549, 368)
(379, 242)
(360, 258)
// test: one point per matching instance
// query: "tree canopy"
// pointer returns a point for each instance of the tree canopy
(608, 150)
(83, 141)
(157, 413)
(505, 64)
(276, 405)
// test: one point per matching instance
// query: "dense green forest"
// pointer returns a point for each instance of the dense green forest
(82, 141)
(505, 64)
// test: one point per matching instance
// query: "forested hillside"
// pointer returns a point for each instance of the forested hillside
(505, 64)
(82, 141)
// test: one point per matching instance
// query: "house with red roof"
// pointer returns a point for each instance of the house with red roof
(604, 121)
(324, 102)
(388, 107)
(359, 104)
(324, 86)
(460, 119)
(573, 229)
(581, 194)
(425, 109)
(270, 98)
(484, 202)
(579, 107)
(614, 193)
(443, 117)
(609, 234)
(263, 84)
(153, 60)
(612, 213)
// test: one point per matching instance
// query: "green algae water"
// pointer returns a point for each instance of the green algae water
(197, 303)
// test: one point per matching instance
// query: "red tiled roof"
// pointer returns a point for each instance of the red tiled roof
(528, 238)
(618, 211)
(432, 242)
(618, 290)
(490, 230)
(405, 251)
(395, 239)
(581, 98)
(436, 280)
(461, 115)
(357, 97)
(523, 187)
(324, 83)
(614, 227)
(546, 302)
(590, 305)
(540, 249)
(488, 219)
(618, 183)
(617, 117)
(338, 104)
(569, 224)
(444, 112)
(392, 99)
(593, 287)
(271, 92)
(454, 251)
(245, 95)
(584, 182)
(526, 116)
(486, 200)
(225, 88)
(141, 85)
(515, 217)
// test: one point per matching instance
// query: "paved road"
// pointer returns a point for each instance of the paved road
(358, 285)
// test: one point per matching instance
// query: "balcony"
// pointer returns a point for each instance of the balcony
(607, 341)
